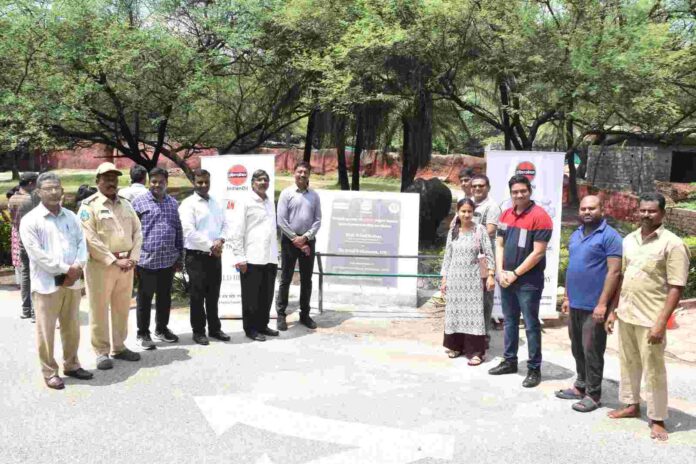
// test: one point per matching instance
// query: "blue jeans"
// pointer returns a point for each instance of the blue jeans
(516, 300)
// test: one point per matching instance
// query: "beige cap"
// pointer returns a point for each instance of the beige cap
(107, 167)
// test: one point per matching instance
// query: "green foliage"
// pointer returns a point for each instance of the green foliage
(150, 79)
(691, 205)
(690, 242)
(180, 289)
(566, 232)
(162, 77)
(5, 237)
(690, 290)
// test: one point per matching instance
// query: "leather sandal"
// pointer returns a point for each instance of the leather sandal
(587, 404)
(569, 394)
(55, 383)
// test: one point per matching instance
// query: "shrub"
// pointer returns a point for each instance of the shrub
(690, 242)
(566, 232)
(690, 290)
(180, 293)
(5, 238)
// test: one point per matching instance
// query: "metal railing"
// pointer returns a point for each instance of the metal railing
(321, 272)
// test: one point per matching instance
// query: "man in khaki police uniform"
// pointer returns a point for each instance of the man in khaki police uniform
(112, 231)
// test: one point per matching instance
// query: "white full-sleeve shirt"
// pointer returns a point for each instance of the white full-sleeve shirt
(53, 243)
(133, 191)
(203, 221)
(253, 234)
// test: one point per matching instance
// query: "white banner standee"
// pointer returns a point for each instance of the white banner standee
(230, 178)
(545, 171)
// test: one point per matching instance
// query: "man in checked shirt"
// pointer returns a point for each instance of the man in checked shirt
(161, 256)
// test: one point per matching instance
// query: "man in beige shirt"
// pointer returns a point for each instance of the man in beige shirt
(112, 231)
(655, 270)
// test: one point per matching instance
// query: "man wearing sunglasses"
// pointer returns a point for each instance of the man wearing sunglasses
(487, 213)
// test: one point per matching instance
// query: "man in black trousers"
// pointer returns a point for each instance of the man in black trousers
(592, 279)
(255, 247)
(205, 228)
(299, 219)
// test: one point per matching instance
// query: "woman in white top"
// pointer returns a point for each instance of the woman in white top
(465, 326)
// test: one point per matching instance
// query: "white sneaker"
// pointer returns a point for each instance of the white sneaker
(145, 342)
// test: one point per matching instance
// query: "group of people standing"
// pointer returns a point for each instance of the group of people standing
(144, 233)
(636, 281)
(485, 242)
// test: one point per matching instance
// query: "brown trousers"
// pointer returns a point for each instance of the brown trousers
(641, 361)
(62, 305)
(108, 288)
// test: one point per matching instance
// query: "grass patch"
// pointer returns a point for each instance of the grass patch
(73, 178)
(690, 205)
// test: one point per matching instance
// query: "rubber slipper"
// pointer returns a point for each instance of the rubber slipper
(454, 354)
(586, 404)
(475, 361)
(568, 394)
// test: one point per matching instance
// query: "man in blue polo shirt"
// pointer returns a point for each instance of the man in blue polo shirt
(594, 269)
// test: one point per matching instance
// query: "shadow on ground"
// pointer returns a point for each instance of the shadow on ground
(123, 370)
(678, 421)
(327, 320)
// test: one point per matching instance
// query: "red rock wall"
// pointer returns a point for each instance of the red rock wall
(621, 205)
(92, 156)
(374, 163)
(683, 220)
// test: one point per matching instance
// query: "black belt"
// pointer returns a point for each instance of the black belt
(198, 253)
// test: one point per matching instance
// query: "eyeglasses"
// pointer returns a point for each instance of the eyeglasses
(52, 189)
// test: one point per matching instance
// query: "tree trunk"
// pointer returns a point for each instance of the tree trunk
(15, 166)
(359, 143)
(573, 199)
(582, 167)
(309, 137)
(137, 158)
(408, 165)
(180, 162)
(511, 140)
(507, 128)
(342, 170)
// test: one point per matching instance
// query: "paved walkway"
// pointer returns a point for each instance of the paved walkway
(358, 390)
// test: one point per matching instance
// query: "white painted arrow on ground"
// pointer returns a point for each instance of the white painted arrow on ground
(372, 444)
(264, 459)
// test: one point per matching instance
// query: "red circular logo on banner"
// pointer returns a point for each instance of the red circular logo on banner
(526, 169)
(237, 175)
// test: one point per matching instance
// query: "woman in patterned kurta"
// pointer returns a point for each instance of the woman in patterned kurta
(465, 325)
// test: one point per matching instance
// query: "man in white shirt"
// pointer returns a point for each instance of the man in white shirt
(255, 246)
(55, 243)
(205, 228)
(138, 175)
